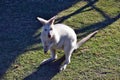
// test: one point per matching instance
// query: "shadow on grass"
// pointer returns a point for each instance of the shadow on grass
(18, 26)
(47, 71)
(89, 4)
(98, 26)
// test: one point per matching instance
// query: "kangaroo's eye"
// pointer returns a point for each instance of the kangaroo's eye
(45, 29)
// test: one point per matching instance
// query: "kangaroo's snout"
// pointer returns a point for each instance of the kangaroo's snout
(45, 49)
(45, 52)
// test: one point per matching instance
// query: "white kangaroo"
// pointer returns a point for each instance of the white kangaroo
(59, 36)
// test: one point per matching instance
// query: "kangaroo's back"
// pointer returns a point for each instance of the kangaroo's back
(64, 30)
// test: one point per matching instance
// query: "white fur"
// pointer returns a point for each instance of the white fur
(62, 37)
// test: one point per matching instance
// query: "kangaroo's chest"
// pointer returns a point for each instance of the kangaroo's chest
(59, 44)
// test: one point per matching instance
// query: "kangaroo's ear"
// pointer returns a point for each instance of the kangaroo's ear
(52, 20)
(43, 21)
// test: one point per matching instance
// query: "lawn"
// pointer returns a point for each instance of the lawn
(21, 50)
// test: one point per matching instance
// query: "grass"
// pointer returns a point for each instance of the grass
(21, 51)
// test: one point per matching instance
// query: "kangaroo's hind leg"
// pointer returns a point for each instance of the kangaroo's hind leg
(68, 50)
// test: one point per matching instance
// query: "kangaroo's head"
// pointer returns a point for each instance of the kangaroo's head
(47, 29)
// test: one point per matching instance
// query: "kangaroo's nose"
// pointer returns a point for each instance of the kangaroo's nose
(45, 51)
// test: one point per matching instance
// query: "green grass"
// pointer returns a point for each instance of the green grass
(97, 59)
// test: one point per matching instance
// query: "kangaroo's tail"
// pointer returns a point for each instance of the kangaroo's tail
(85, 39)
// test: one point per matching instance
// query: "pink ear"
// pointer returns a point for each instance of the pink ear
(52, 20)
(43, 21)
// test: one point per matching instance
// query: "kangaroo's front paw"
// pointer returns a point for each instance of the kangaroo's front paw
(63, 67)
(45, 61)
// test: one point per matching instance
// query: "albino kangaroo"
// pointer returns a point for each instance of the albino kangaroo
(59, 36)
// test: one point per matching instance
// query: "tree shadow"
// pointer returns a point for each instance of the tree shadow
(47, 71)
(98, 26)
(89, 4)
(18, 26)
